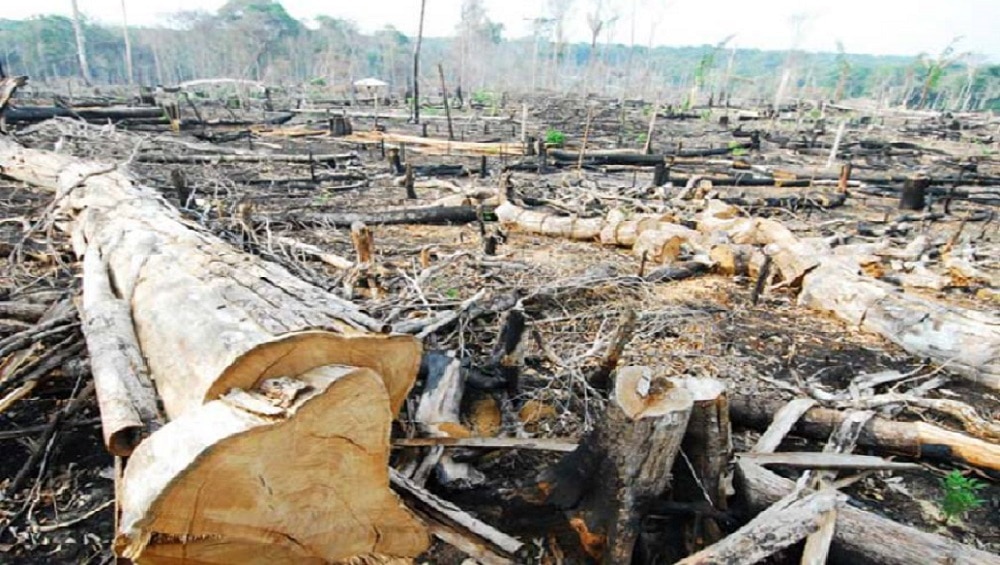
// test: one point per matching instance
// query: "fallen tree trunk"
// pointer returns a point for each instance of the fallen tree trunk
(431, 146)
(330, 159)
(864, 537)
(32, 114)
(914, 439)
(966, 341)
(431, 215)
(279, 395)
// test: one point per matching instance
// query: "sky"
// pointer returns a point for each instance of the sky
(864, 26)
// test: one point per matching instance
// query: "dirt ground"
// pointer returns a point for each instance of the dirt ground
(707, 326)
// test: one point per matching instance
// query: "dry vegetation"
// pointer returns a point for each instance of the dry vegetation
(457, 282)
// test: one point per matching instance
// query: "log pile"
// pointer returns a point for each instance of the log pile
(968, 341)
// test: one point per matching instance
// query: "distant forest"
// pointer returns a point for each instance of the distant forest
(259, 40)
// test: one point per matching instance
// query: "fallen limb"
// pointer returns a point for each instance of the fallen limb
(536, 444)
(22, 311)
(913, 439)
(826, 461)
(967, 415)
(861, 536)
(451, 516)
(124, 390)
(783, 524)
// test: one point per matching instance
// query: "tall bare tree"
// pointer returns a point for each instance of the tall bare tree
(416, 65)
(128, 45)
(558, 10)
(81, 44)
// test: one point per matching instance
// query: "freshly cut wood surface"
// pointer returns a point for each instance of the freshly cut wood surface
(605, 485)
(246, 473)
(279, 395)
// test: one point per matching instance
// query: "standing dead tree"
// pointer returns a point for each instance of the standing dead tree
(81, 43)
(416, 64)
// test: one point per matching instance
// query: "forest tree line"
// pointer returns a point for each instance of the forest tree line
(259, 40)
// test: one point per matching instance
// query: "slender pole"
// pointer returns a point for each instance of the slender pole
(81, 44)
(586, 137)
(128, 46)
(447, 110)
(416, 65)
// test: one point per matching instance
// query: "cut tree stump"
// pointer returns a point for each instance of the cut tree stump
(279, 395)
(606, 486)
(708, 448)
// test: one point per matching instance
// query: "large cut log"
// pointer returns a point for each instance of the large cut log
(860, 536)
(279, 395)
(966, 341)
(32, 114)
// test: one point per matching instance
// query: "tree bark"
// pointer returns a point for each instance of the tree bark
(913, 439)
(81, 44)
(416, 64)
(607, 484)
(279, 395)
(863, 537)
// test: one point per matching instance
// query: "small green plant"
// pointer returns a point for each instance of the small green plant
(706, 115)
(960, 494)
(555, 137)
(317, 81)
(737, 149)
(641, 138)
(451, 293)
(483, 97)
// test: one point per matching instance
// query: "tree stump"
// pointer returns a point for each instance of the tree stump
(914, 193)
(607, 484)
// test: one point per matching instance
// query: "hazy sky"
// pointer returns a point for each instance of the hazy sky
(865, 26)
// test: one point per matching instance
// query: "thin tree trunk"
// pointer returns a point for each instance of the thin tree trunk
(416, 65)
(128, 47)
(81, 44)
